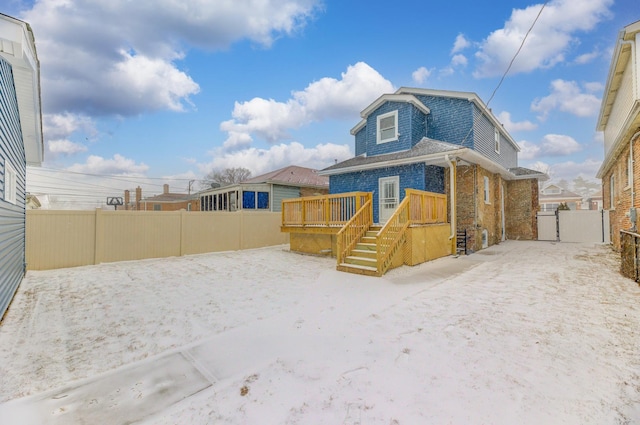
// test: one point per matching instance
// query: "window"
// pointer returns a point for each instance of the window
(387, 127)
(496, 136)
(255, 200)
(10, 189)
(157, 207)
(486, 190)
(612, 186)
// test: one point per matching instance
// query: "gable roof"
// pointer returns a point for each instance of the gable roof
(292, 175)
(19, 49)
(469, 96)
(407, 98)
(432, 152)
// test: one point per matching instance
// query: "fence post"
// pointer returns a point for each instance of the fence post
(99, 231)
(183, 237)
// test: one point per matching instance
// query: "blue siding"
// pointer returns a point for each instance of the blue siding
(361, 141)
(418, 124)
(413, 176)
(12, 216)
(404, 121)
(450, 120)
(484, 141)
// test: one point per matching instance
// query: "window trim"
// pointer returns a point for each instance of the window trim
(487, 199)
(612, 186)
(379, 118)
(629, 172)
(496, 136)
(10, 183)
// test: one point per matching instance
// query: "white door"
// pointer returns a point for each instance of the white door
(389, 192)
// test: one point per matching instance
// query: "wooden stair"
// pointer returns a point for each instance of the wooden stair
(363, 258)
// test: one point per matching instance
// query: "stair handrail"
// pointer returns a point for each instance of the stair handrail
(392, 233)
(349, 235)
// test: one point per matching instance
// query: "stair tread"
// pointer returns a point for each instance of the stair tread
(355, 257)
(357, 266)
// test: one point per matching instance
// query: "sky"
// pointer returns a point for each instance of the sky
(151, 92)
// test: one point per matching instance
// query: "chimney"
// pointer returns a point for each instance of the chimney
(166, 189)
(127, 199)
(138, 197)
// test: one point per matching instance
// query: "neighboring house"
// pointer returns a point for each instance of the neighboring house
(594, 202)
(411, 138)
(166, 201)
(553, 195)
(265, 192)
(619, 119)
(20, 145)
(32, 203)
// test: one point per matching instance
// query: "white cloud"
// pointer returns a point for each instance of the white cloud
(548, 42)
(566, 96)
(552, 145)
(594, 86)
(569, 170)
(460, 44)
(320, 100)
(121, 57)
(421, 74)
(505, 119)
(64, 147)
(261, 161)
(118, 165)
(459, 60)
(586, 57)
(60, 126)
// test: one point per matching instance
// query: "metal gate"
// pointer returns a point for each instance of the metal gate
(574, 226)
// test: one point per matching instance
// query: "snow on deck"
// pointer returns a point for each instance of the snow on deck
(523, 332)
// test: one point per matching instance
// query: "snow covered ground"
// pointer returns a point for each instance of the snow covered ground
(523, 332)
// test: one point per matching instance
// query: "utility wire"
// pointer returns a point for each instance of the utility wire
(504, 75)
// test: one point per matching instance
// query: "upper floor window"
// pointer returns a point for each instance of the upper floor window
(387, 127)
(10, 188)
(496, 136)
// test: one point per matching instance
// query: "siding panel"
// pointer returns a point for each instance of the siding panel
(12, 216)
(283, 192)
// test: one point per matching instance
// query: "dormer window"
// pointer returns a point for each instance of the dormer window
(387, 127)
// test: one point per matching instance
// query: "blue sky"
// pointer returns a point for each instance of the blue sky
(163, 91)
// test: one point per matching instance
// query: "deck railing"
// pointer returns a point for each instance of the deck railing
(352, 231)
(426, 207)
(392, 233)
(323, 211)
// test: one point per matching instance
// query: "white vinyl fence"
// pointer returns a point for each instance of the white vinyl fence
(574, 226)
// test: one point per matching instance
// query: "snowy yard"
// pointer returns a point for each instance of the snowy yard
(520, 333)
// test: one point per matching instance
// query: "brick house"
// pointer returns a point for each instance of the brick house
(619, 119)
(413, 138)
(552, 196)
(166, 201)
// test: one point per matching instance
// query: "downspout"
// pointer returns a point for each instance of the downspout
(452, 196)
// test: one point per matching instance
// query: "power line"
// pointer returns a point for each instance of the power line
(504, 75)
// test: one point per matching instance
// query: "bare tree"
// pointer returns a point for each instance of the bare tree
(226, 177)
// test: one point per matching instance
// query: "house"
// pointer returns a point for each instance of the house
(594, 202)
(32, 202)
(166, 201)
(265, 192)
(619, 119)
(20, 145)
(553, 195)
(428, 147)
